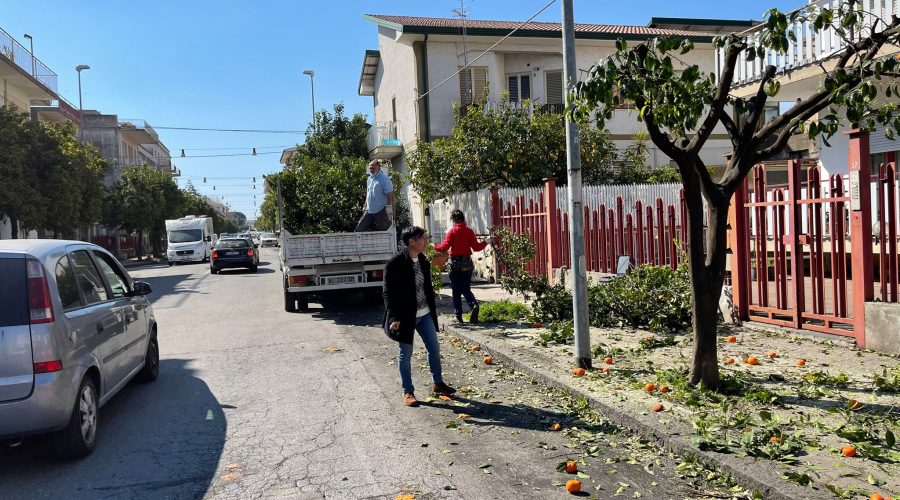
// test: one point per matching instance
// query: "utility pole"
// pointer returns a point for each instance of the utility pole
(576, 210)
(280, 212)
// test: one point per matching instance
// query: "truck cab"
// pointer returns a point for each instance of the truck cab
(189, 239)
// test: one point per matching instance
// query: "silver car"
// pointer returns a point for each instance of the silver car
(74, 329)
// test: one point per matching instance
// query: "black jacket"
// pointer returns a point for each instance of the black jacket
(400, 295)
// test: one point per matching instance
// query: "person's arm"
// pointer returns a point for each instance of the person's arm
(445, 245)
(388, 187)
(389, 292)
(474, 243)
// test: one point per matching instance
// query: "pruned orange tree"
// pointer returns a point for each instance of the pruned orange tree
(681, 105)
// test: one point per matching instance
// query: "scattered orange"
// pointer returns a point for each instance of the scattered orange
(658, 407)
(605, 369)
(775, 440)
(848, 451)
(573, 486)
(476, 347)
(650, 387)
(773, 354)
(731, 338)
(729, 360)
(555, 427)
(801, 362)
(488, 360)
(444, 397)
(752, 360)
(854, 404)
(608, 360)
(876, 496)
(571, 466)
(578, 372)
(537, 324)
(663, 388)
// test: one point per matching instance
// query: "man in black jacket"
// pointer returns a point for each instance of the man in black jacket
(408, 307)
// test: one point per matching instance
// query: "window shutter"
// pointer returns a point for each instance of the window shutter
(465, 86)
(480, 81)
(554, 84)
(526, 87)
(513, 87)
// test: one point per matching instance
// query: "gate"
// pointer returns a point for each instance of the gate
(795, 249)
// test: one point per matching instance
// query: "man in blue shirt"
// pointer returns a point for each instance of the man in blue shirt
(379, 209)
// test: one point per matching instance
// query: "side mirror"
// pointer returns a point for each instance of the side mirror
(141, 288)
(208, 238)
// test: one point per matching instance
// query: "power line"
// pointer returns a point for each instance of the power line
(242, 130)
(225, 149)
(517, 28)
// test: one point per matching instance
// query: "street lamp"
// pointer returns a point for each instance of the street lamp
(79, 68)
(33, 65)
(312, 88)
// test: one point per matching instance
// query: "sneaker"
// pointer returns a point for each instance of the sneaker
(442, 388)
(474, 317)
(409, 399)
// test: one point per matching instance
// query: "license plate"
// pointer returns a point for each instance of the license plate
(341, 280)
(231, 253)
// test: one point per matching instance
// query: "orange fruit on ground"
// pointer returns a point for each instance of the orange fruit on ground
(573, 486)
(752, 360)
(731, 338)
(578, 372)
(775, 440)
(663, 388)
(876, 496)
(571, 466)
(773, 354)
(488, 360)
(848, 451)
(854, 404)
(729, 360)
(608, 360)
(537, 324)
(605, 369)
(555, 427)
(650, 387)
(801, 362)
(658, 407)
(476, 347)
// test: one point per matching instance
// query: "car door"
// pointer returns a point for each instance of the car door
(101, 318)
(133, 308)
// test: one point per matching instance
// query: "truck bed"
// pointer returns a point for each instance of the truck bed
(337, 248)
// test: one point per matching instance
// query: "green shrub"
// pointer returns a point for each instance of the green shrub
(559, 332)
(653, 297)
(502, 310)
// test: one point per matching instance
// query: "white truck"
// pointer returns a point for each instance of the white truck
(189, 238)
(313, 264)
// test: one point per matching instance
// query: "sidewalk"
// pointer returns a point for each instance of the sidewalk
(147, 261)
(779, 429)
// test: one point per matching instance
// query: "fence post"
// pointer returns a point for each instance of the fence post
(798, 274)
(495, 222)
(554, 236)
(858, 162)
(740, 284)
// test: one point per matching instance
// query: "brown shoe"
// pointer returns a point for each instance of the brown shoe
(409, 399)
(442, 388)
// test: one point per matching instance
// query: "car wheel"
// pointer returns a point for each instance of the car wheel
(289, 301)
(253, 268)
(150, 371)
(79, 437)
(213, 270)
(302, 302)
(171, 264)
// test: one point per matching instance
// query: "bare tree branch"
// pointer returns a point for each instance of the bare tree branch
(759, 105)
(731, 128)
(661, 139)
(720, 98)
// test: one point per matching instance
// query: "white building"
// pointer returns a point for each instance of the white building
(417, 55)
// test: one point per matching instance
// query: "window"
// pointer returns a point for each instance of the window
(13, 294)
(185, 235)
(393, 109)
(554, 83)
(233, 244)
(472, 84)
(65, 283)
(519, 87)
(118, 283)
(87, 278)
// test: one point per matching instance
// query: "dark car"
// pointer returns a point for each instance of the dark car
(234, 252)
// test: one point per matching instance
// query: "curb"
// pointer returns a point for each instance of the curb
(749, 473)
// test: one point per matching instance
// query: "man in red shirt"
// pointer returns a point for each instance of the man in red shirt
(459, 242)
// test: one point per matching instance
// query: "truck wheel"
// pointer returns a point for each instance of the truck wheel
(302, 302)
(289, 301)
(79, 436)
(372, 296)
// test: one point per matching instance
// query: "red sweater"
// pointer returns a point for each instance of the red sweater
(460, 240)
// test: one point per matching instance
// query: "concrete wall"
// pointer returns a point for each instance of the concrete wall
(12, 94)
(883, 327)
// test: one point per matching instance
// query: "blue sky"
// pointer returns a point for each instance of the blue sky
(238, 64)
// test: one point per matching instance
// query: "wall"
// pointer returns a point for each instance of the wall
(103, 132)
(883, 327)
(396, 77)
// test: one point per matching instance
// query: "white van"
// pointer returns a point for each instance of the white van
(189, 239)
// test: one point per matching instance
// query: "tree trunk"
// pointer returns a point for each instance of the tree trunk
(14, 227)
(706, 260)
(140, 245)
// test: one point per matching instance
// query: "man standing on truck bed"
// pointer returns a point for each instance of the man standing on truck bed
(379, 200)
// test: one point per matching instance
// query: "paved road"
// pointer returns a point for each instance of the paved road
(256, 402)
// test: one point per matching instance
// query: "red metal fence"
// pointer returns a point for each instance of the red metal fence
(886, 235)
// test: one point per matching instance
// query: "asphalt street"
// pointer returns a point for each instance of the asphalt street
(254, 402)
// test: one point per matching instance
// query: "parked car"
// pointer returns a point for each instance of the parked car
(268, 240)
(234, 252)
(74, 329)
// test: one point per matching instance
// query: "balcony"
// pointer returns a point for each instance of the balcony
(62, 111)
(138, 132)
(805, 58)
(384, 143)
(39, 80)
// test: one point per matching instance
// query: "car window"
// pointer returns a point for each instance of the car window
(67, 286)
(118, 284)
(88, 278)
(13, 295)
(232, 244)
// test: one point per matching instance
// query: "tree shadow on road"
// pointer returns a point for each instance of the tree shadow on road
(162, 440)
(515, 416)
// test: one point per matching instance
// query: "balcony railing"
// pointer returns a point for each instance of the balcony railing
(21, 57)
(140, 125)
(383, 134)
(810, 47)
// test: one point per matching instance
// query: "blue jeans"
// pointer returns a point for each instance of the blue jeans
(461, 284)
(425, 327)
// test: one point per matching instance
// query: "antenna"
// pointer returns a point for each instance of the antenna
(463, 14)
